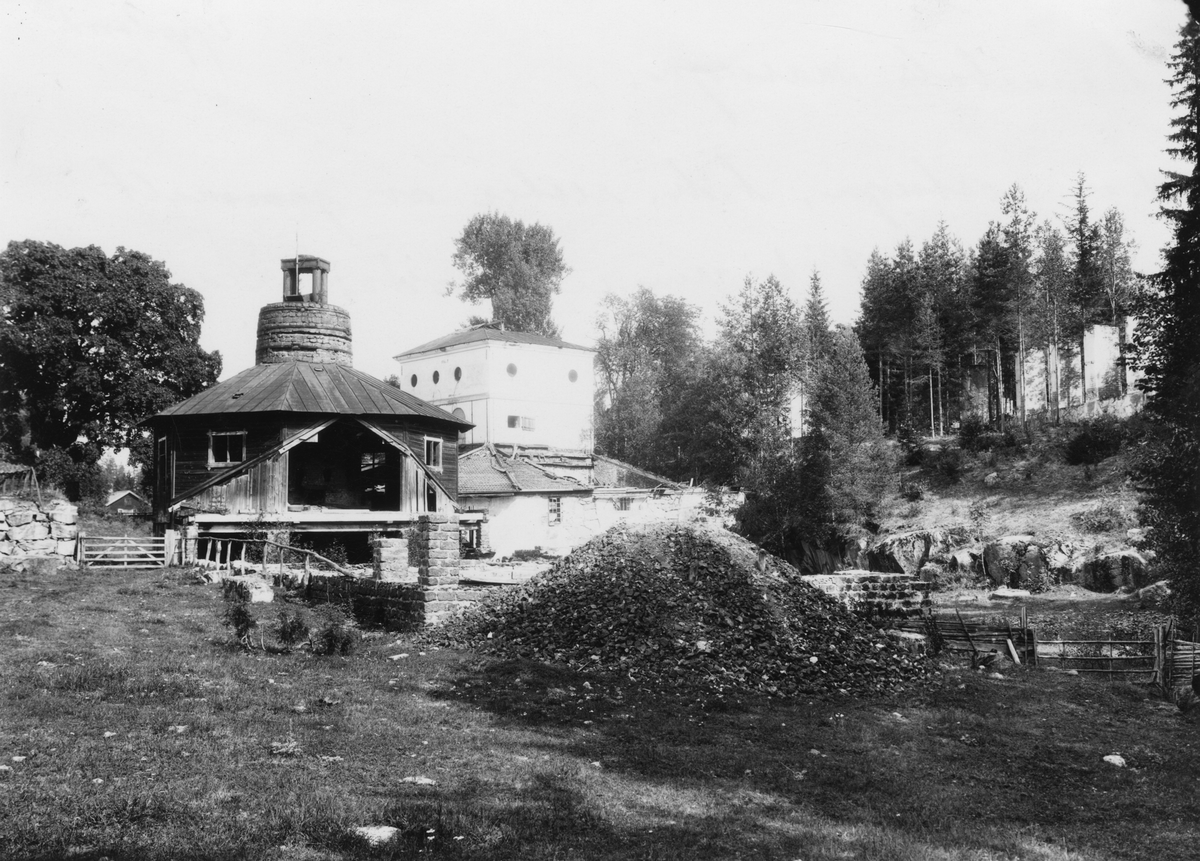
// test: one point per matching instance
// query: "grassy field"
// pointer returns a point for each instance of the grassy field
(131, 727)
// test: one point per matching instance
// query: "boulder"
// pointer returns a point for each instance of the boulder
(932, 572)
(907, 552)
(20, 518)
(964, 560)
(1019, 562)
(1004, 593)
(1110, 571)
(257, 590)
(29, 531)
(991, 479)
(1156, 596)
(63, 531)
(63, 512)
(65, 548)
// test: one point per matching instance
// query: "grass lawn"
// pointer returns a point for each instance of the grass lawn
(130, 727)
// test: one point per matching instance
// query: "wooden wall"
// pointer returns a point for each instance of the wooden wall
(264, 487)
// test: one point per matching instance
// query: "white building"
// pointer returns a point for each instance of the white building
(517, 388)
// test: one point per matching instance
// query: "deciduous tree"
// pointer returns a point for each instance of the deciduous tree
(90, 345)
(518, 267)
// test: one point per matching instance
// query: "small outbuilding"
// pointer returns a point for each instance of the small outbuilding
(127, 502)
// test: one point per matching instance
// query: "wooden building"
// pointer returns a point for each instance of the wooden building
(302, 441)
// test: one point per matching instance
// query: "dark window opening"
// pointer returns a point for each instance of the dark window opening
(512, 370)
(413, 381)
(436, 377)
(457, 374)
(573, 376)
(622, 503)
(555, 509)
(433, 453)
(226, 447)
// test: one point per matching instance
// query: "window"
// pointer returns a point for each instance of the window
(436, 377)
(514, 421)
(433, 453)
(512, 370)
(573, 376)
(555, 509)
(527, 423)
(226, 447)
(621, 503)
(457, 374)
(413, 381)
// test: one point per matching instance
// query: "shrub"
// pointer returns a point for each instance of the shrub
(1105, 517)
(237, 613)
(293, 628)
(1095, 442)
(975, 435)
(337, 634)
(948, 465)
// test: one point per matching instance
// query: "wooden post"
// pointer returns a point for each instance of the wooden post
(1031, 638)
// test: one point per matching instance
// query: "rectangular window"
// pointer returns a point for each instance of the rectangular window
(527, 423)
(514, 421)
(622, 503)
(555, 509)
(226, 447)
(433, 453)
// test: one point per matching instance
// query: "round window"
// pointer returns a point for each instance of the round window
(573, 376)
(457, 374)
(413, 381)
(436, 377)
(512, 370)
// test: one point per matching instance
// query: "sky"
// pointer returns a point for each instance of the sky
(679, 146)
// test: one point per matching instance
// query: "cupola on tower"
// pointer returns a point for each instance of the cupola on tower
(304, 327)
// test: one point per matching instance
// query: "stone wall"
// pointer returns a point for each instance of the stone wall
(29, 531)
(873, 594)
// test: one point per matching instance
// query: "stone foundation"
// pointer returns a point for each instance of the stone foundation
(31, 532)
(871, 594)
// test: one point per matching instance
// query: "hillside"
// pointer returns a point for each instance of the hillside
(1028, 489)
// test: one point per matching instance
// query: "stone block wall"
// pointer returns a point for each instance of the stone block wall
(872, 594)
(29, 531)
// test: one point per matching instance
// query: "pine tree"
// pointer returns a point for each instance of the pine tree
(1086, 292)
(1168, 335)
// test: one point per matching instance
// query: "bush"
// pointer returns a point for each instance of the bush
(948, 465)
(973, 434)
(1094, 443)
(337, 634)
(237, 613)
(293, 628)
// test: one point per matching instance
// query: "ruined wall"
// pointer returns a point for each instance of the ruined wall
(29, 531)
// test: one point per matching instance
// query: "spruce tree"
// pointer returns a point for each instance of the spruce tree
(1168, 337)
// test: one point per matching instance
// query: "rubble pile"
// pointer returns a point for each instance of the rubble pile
(689, 608)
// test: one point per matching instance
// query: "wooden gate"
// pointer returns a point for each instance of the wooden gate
(126, 551)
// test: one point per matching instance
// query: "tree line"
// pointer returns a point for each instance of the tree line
(930, 315)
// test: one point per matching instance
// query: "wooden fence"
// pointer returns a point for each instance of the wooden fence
(1164, 660)
(127, 551)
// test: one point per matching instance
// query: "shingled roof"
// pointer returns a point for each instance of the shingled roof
(488, 332)
(486, 472)
(308, 387)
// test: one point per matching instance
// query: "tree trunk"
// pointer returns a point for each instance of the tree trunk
(1122, 365)
(1083, 367)
(932, 429)
(1000, 388)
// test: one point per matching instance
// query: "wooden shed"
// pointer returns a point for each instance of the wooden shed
(302, 441)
